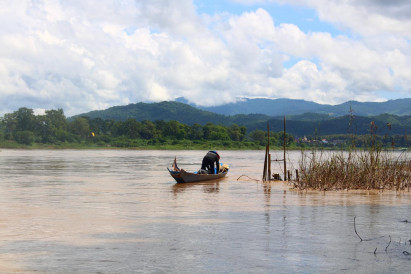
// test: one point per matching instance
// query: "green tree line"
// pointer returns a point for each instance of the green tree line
(25, 128)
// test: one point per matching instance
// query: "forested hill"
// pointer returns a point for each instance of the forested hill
(157, 111)
(168, 111)
(386, 124)
(298, 125)
(279, 107)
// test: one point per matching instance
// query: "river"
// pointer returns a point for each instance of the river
(119, 211)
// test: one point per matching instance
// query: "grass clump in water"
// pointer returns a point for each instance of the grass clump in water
(371, 169)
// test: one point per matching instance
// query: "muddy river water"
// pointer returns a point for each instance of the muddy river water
(119, 211)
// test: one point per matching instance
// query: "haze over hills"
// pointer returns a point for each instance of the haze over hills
(280, 107)
(298, 125)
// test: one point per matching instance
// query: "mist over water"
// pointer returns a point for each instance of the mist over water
(88, 211)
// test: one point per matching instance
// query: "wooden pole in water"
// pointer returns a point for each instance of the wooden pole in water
(285, 163)
(265, 165)
(269, 167)
(268, 152)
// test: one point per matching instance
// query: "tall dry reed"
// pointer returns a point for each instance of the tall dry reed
(372, 169)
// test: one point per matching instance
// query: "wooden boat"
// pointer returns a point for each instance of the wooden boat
(182, 176)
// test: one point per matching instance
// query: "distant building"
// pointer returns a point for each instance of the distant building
(338, 142)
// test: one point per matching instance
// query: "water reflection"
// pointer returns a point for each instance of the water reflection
(208, 187)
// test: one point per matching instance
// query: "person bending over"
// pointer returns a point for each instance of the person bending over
(209, 160)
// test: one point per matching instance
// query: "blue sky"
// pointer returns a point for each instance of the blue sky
(304, 17)
(80, 57)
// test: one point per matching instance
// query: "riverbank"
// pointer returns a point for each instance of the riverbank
(147, 146)
(169, 145)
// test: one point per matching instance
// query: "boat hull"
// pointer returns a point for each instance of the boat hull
(183, 176)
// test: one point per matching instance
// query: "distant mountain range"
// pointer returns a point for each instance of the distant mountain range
(319, 121)
(281, 107)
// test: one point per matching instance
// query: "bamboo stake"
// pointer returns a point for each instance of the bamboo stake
(265, 165)
(268, 152)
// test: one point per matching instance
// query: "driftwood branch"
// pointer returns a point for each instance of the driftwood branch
(248, 178)
(406, 253)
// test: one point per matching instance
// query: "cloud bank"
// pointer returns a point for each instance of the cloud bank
(80, 56)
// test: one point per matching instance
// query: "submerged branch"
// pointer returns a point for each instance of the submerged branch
(355, 229)
(388, 243)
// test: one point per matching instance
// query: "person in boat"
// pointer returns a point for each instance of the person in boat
(209, 160)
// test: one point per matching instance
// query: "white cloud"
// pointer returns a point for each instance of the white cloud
(365, 17)
(80, 56)
(381, 31)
